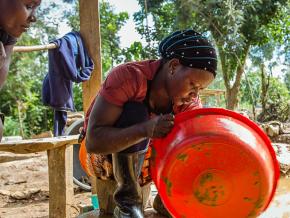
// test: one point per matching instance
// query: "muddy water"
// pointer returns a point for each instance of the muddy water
(280, 205)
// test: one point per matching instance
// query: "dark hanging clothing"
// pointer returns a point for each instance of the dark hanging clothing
(7, 39)
(68, 63)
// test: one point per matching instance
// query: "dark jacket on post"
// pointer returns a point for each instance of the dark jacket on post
(68, 63)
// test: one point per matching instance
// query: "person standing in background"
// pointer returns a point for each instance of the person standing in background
(15, 19)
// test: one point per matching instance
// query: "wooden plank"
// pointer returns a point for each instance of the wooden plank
(90, 31)
(60, 168)
(37, 145)
(212, 92)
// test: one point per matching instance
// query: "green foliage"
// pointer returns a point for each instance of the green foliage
(287, 80)
(277, 107)
(235, 26)
(278, 29)
(72, 17)
(11, 127)
(135, 52)
(254, 84)
(260, 54)
(163, 14)
(276, 88)
(111, 23)
(78, 96)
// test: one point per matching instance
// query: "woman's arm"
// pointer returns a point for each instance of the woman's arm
(5, 57)
(103, 138)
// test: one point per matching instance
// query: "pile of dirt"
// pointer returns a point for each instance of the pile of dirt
(279, 133)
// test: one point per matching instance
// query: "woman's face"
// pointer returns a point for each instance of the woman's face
(185, 83)
(18, 15)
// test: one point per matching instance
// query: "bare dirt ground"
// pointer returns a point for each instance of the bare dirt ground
(24, 186)
(24, 189)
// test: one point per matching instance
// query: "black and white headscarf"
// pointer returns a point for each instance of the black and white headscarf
(191, 48)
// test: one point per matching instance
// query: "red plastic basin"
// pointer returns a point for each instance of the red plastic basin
(214, 163)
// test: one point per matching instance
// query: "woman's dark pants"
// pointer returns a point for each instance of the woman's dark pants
(127, 165)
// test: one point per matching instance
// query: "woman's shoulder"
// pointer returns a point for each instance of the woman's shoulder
(6, 39)
(138, 68)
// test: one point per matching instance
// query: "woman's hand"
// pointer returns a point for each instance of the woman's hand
(159, 126)
(2, 55)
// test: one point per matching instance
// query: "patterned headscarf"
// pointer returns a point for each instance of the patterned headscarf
(191, 48)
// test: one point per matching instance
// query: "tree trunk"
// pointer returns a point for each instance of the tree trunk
(233, 91)
(253, 99)
(265, 81)
(20, 118)
(232, 97)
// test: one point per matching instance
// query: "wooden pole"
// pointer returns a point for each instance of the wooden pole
(34, 48)
(90, 31)
(61, 193)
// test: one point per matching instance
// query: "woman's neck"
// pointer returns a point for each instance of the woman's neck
(159, 99)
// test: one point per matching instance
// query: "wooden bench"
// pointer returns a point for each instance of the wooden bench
(60, 168)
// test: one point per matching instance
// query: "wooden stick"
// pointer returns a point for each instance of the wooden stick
(213, 92)
(34, 48)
